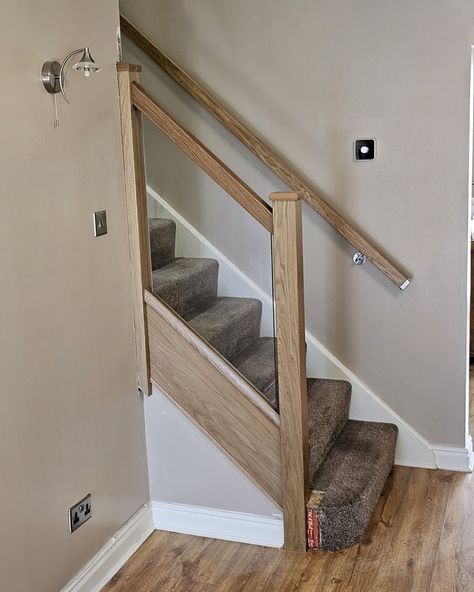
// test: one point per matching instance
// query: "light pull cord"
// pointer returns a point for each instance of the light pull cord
(56, 114)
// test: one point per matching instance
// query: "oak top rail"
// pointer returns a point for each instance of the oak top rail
(203, 157)
(274, 161)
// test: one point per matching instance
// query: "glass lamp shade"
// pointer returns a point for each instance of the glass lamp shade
(86, 64)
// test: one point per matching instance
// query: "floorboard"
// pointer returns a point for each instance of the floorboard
(455, 560)
(420, 539)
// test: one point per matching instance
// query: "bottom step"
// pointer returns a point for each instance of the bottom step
(349, 482)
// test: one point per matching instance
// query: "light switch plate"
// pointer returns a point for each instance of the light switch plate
(100, 223)
(364, 149)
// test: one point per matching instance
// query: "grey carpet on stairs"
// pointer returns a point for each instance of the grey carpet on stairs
(351, 479)
(162, 241)
(349, 460)
(328, 412)
(187, 285)
(230, 324)
(257, 362)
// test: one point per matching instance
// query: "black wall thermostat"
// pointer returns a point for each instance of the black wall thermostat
(364, 149)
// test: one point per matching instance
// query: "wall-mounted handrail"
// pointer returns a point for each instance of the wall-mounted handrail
(203, 157)
(274, 161)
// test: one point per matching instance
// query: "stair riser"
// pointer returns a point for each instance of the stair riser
(162, 242)
(234, 335)
(340, 528)
(328, 412)
(257, 363)
(191, 293)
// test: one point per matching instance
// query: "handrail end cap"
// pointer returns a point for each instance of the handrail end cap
(405, 284)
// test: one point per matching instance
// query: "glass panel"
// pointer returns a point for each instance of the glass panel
(211, 262)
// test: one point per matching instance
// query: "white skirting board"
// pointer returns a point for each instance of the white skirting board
(206, 522)
(412, 449)
(114, 554)
(218, 524)
(455, 459)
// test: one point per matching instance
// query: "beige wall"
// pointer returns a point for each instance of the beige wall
(206, 476)
(70, 419)
(311, 76)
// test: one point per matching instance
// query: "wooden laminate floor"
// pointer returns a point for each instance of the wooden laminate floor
(421, 539)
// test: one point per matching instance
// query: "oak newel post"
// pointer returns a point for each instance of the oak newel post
(289, 304)
(137, 217)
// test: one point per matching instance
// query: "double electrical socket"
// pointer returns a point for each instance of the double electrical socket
(80, 513)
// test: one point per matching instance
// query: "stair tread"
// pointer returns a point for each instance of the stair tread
(230, 325)
(257, 363)
(328, 412)
(162, 241)
(351, 479)
(187, 285)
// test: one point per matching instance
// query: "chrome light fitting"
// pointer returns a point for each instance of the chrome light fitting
(53, 74)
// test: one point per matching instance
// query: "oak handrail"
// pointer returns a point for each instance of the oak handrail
(202, 156)
(274, 161)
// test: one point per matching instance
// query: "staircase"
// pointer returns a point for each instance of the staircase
(349, 460)
(289, 434)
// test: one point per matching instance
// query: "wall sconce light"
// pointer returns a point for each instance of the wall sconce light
(53, 74)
